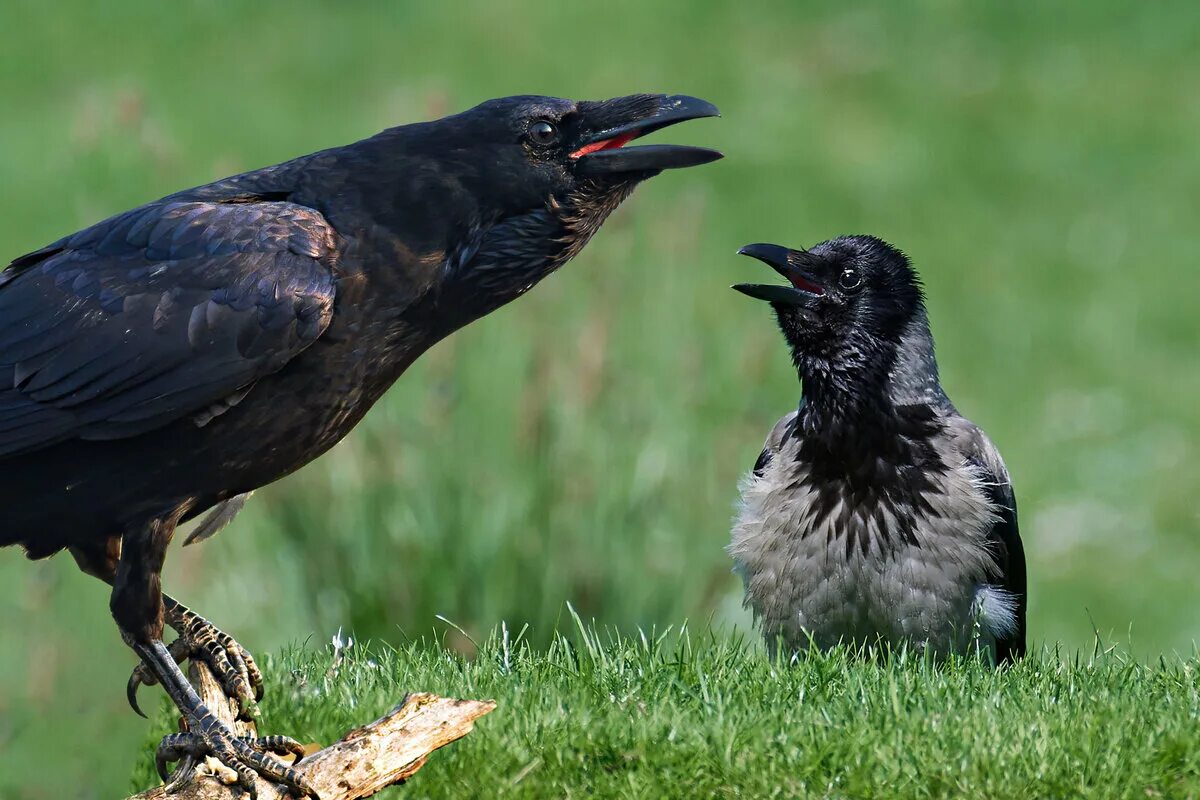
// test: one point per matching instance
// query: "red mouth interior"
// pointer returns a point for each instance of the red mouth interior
(604, 144)
(805, 286)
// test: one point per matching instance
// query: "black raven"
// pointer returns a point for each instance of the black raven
(876, 512)
(173, 358)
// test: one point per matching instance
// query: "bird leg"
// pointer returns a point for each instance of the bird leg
(138, 608)
(231, 664)
(208, 736)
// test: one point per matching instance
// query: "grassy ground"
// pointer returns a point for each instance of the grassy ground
(583, 444)
(699, 715)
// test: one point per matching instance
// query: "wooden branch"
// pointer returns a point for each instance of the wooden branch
(387, 751)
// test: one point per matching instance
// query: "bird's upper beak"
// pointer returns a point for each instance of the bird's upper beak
(795, 265)
(601, 150)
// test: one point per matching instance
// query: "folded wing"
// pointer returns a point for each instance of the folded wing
(157, 314)
(1004, 536)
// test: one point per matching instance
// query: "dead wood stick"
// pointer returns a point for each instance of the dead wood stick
(364, 761)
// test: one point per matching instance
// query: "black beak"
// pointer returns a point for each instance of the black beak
(603, 152)
(788, 263)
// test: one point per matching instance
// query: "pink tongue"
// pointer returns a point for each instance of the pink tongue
(603, 144)
(805, 286)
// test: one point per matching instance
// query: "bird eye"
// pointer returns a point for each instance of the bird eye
(849, 280)
(543, 133)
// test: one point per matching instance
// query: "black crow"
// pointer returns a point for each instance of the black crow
(876, 512)
(173, 358)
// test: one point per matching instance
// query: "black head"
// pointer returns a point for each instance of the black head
(521, 153)
(517, 186)
(853, 292)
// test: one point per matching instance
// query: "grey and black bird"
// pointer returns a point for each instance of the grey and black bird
(172, 359)
(876, 514)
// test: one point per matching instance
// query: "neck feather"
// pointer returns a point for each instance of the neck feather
(865, 379)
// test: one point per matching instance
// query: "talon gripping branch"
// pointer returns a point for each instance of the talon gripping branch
(174, 358)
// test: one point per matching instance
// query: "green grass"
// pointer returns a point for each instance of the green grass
(686, 715)
(583, 444)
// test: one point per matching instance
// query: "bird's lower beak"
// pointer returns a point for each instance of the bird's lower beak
(804, 286)
(604, 152)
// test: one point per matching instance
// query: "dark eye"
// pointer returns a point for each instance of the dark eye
(543, 133)
(849, 280)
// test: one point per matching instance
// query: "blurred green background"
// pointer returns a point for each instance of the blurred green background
(584, 444)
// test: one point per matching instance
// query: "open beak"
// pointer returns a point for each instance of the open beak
(604, 152)
(788, 263)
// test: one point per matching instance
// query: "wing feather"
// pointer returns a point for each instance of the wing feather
(156, 314)
(1004, 536)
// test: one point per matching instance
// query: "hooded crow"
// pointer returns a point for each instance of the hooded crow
(876, 513)
(170, 360)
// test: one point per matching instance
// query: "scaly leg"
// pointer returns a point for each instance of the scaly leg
(189, 750)
(231, 664)
(137, 606)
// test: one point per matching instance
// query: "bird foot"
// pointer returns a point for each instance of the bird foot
(204, 735)
(244, 755)
(231, 664)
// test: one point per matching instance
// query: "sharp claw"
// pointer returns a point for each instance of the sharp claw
(203, 734)
(175, 747)
(131, 689)
(245, 755)
(142, 676)
(187, 768)
(280, 746)
(160, 764)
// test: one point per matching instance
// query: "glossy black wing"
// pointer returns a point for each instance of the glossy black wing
(1004, 536)
(157, 314)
